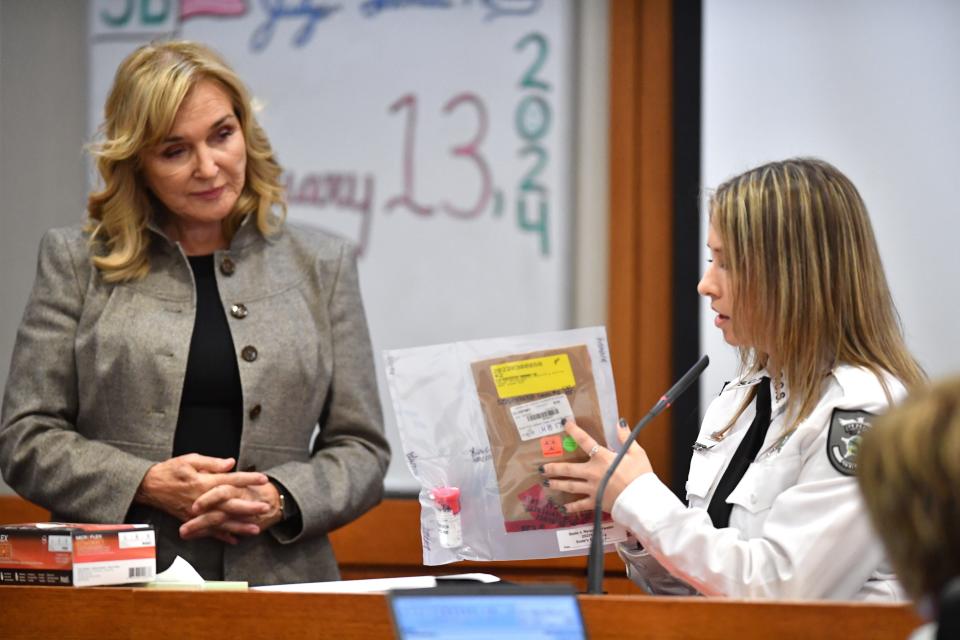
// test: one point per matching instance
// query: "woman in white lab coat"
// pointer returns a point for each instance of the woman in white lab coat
(773, 510)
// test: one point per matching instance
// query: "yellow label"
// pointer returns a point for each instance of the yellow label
(537, 375)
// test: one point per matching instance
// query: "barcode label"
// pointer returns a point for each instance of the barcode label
(139, 572)
(546, 414)
(92, 574)
(541, 417)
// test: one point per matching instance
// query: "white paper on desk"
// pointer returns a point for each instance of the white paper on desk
(180, 572)
(377, 585)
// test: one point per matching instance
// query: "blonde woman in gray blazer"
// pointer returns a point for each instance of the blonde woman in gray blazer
(179, 350)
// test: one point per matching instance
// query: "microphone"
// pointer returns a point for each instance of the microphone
(595, 563)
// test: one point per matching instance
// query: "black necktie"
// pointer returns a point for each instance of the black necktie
(719, 509)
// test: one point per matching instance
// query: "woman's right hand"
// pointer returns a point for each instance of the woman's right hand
(583, 478)
(175, 484)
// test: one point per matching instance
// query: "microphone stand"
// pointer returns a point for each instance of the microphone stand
(595, 563)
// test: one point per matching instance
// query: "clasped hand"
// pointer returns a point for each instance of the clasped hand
(583, 478)
(209, 499)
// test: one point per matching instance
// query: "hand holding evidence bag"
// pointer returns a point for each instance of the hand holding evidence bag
(478, 418)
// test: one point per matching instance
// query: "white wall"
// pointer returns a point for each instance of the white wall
(42, 123)
(872, 86)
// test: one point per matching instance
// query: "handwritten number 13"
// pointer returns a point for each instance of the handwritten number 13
(469, 150)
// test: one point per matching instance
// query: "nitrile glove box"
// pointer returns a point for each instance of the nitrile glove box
(81, 555)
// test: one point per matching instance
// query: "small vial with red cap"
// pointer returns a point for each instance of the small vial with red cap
(447, 501)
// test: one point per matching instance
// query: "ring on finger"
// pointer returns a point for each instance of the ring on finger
(593, 451)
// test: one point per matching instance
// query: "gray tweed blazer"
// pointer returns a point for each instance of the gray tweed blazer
(94, 390)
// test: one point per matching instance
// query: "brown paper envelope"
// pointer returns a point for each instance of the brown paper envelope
(524, 396)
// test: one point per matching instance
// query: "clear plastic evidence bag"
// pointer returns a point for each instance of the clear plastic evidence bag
(478, 418)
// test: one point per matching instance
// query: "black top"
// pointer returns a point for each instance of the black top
(746, 453)
(211, 408)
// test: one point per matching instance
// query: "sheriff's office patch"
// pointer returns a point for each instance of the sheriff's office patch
(843, 442)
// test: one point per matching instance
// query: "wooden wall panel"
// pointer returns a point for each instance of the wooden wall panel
(641, 214)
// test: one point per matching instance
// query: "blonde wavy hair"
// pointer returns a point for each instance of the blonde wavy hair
(909, 473)
(147, 91)
(807, 281)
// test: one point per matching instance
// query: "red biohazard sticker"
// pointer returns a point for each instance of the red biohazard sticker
(551, 446)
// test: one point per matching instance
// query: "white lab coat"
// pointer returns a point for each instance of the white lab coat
(798, 527)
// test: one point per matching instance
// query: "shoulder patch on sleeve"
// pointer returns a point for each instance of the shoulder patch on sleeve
(843, 441)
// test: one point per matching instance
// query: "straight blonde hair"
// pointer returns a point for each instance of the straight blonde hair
(807, 281)
(148, 89)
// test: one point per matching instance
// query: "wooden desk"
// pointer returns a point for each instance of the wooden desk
(105, 613)
(386, 542)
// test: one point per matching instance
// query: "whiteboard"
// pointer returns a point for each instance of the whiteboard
(435, 135)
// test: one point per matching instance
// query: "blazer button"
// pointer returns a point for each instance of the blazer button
(255, 411)
(239, 311)
(249, 353)
(227, 267)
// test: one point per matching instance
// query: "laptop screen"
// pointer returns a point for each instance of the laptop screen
(504, 612)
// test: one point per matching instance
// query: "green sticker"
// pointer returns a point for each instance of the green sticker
(569, 444)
